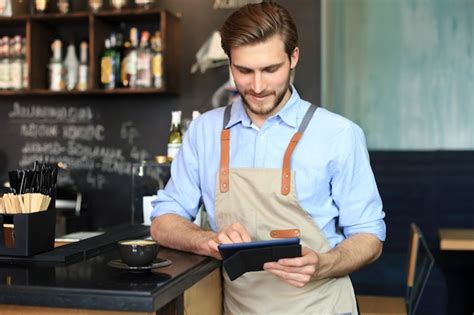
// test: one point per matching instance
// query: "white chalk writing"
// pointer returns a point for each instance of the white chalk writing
(87, 132)
(52, 113)
(128, 132)
(33, 130)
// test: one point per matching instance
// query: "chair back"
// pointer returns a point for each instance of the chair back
(420, 263)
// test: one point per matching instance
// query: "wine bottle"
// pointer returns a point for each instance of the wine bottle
(130, 62)
(24, 64)
(83, 68)
(144, 61)
(56, 80)
(117, 42)
(107, 73)
(71, 65)
(16, 73)
(5, 73)
(157, 60)
(175, 137)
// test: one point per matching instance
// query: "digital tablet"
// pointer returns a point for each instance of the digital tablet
(227, 250)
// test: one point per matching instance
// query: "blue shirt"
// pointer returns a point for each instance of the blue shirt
(333, 178)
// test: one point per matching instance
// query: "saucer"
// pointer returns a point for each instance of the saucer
(157, 263)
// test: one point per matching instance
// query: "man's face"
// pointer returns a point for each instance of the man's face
(262, 75)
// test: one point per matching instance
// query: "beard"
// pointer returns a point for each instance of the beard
(267, 108)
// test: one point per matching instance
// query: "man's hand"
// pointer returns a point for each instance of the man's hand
(234, 233)
(351, 254)
(296, 271)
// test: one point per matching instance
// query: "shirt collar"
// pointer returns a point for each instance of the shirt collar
(288, 114)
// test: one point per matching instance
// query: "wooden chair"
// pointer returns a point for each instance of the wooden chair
(419, 264)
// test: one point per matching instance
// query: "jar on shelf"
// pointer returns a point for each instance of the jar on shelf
(144, 4)
(64, 6)
(41, 6)
(118, 4)
(95, 5)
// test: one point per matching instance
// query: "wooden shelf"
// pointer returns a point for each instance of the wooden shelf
(63, 18)
(121, 91)
(12, 20)
(41, 29)
(128, 12)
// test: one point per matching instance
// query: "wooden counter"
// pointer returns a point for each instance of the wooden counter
(456, 239)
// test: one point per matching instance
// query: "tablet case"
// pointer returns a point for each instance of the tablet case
(252, 259)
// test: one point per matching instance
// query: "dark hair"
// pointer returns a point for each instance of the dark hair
(255, 23)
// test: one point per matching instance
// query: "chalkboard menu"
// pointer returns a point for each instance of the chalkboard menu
(96, 146)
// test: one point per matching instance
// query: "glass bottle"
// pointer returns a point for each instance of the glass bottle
(6, 8)
(16, 73)
(123, 64)
(131, 56)
(5, 74)
(175, 138)
(56, 80)
(83, 68)
(71, 66)
(157, 61)
(24, 65)
(107, 78)
(144, 62)
(117, 46)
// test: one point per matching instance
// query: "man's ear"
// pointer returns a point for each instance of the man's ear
(294, 58)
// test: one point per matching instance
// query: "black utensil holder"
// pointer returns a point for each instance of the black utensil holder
(31, 234)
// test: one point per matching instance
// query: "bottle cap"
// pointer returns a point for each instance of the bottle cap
(176, 116)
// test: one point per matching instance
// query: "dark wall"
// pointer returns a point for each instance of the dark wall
(433, 189)
(124, 129)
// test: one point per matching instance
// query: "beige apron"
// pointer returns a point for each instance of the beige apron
(264, 200)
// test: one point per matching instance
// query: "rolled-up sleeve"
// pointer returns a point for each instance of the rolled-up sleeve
(182, 194)
(354, 189)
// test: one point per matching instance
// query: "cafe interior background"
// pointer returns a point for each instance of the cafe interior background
(401, 69)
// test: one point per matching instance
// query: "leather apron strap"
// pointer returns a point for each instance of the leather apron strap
(286, 170)
(225, 151)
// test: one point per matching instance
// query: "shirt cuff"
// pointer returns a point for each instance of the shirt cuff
(376, 228)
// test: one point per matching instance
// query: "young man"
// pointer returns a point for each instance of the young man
(272, 161)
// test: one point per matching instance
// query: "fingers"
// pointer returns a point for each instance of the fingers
(244, 234)
(295, 271)
(305, 270)
(308, 257)
(235, 233)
